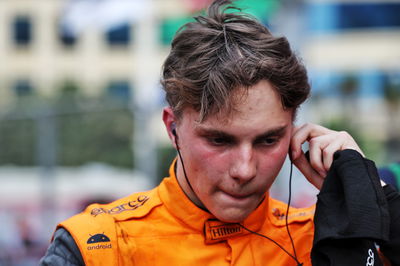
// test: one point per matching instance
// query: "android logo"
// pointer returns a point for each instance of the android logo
(98, 238)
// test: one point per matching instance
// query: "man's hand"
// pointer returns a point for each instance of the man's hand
(323, 143)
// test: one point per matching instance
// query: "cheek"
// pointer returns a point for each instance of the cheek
(209, 167)
(273, 161)
(205, 161)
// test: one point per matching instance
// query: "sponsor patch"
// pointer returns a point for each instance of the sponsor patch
(98, 238)
(216, 231)
(128, 206)
(101, 240)
(282, 215)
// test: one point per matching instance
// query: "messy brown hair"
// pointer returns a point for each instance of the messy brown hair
(221, 52)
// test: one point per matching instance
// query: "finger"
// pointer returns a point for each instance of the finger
(329, 151)
(334, 142)
(316, 160)
(302, 134)
(322, 149)
(296, 141)
(306, 169)
(349, 142)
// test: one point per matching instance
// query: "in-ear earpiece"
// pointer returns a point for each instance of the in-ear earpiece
(173, 129)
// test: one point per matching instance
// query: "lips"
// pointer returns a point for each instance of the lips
(237, 195)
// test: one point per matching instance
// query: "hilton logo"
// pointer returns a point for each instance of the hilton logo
(224, 230)
(216, 231)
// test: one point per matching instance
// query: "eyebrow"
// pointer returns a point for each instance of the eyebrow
(278, 131)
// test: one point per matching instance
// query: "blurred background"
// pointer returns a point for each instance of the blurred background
(80, 99)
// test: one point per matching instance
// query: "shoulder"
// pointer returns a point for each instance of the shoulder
(277, 213)
(62, 251)
(95, 231)
(99, 216)
(133, 206)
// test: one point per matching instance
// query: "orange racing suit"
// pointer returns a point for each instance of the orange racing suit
(163, 226)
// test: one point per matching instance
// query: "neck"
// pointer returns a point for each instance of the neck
(184, 183)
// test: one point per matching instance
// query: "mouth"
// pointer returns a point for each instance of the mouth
(237, 196)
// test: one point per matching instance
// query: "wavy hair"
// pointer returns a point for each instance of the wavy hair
(226, 50)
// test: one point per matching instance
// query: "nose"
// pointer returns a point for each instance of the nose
(244, 166)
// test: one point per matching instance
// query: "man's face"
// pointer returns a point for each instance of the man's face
(231, 161)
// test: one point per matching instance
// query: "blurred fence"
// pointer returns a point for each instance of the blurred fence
(58, 154)
(67, 131)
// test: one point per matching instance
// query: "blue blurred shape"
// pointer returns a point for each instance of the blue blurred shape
(119, 34)
(23, 87)
(328, 17)
(119, 90)
(22, 29)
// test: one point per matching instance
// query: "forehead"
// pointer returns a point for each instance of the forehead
(258, 104)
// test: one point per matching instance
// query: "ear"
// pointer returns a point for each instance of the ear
(170, 123)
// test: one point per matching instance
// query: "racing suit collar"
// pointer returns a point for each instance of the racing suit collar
(183, 209)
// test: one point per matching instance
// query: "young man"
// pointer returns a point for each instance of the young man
(233, 91)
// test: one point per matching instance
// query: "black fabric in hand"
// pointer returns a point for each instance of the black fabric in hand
(351, 215)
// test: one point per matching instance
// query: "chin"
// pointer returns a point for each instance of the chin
(232, 216)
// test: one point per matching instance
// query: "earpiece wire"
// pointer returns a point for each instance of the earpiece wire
(294, 257)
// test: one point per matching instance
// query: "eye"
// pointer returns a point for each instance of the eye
(269, 141)
(219, 141)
